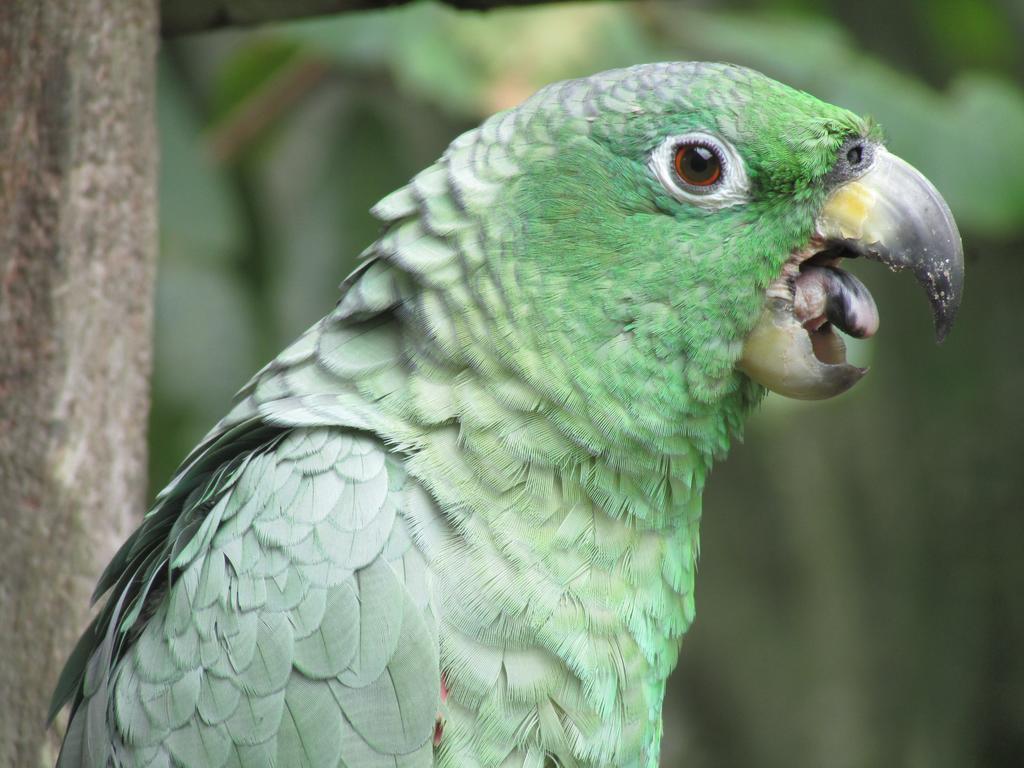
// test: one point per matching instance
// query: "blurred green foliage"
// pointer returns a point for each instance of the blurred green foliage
(861, 580)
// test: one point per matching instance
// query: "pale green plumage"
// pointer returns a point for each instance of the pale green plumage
(276, 594)
(486, 462)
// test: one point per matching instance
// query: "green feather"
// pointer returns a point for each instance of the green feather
(395, 712)
(310, 734)
(485, 464)
(197, 745)
(257, 719)
(329, 648)
(378, 623)
(218, 699)
(272, 660)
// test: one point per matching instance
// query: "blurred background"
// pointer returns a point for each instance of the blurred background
(861, 594)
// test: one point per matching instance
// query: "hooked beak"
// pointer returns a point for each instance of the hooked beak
(891, 214)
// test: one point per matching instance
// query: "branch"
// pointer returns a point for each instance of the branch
(182, 17)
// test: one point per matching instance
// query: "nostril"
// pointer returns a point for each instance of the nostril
(855, 154)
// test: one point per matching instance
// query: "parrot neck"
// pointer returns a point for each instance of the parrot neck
(565, 544)
(519, 411)
(563, 445)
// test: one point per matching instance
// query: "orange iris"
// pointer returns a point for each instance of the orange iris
(698, 165)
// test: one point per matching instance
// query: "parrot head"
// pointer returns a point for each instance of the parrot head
(680, 228)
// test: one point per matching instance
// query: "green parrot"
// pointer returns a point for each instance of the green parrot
(455, 523)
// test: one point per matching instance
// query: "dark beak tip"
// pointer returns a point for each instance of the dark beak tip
(946, 305)
(943, 325)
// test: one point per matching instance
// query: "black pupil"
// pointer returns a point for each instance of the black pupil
(855, 154)
(700, 163)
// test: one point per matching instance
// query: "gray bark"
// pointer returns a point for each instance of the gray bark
(77, 257)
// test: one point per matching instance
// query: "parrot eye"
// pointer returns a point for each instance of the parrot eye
(701, 169)
(698, 164)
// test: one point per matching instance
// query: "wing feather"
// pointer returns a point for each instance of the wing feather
(278, 562)
(285, 632)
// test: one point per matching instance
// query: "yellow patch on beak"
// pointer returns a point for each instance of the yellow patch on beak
(848, 209)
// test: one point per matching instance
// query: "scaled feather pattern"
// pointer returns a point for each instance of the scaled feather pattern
(484, 466)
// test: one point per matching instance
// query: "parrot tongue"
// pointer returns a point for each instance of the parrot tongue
(823, 294)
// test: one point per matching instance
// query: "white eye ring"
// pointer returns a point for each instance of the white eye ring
(732, 187)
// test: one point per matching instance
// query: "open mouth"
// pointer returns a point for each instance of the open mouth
(891, 214)
(825, 298)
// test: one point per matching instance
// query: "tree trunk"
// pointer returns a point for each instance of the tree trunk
(77, 256)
